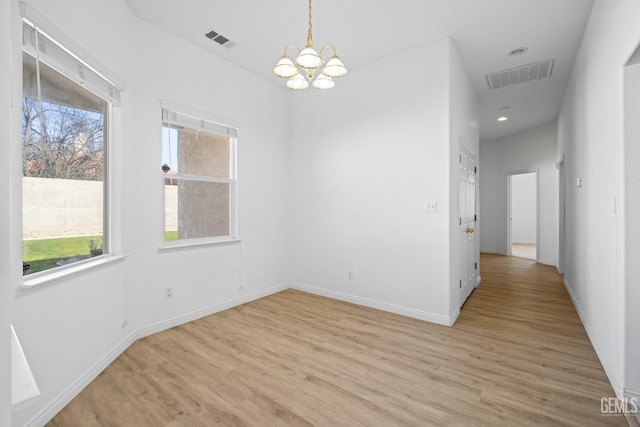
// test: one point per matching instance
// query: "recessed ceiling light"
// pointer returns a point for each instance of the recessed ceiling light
(503, 118)
(518, 51)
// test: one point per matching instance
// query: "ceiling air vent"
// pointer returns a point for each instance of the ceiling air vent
(526, 73)
(219, 38)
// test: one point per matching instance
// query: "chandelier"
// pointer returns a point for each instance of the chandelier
(307, 63)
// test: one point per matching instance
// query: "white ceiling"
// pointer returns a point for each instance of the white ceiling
(484, 31)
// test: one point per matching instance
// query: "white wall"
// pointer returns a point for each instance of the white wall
(463, 129)
(632, 228)
(210, 275)
(489, 198)
(531, 150)
(66, 327)
(365, 159)
(591, 135)
(72, 327)
(523, 208)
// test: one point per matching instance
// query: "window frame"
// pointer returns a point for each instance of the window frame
(215, 125)
(71, 61)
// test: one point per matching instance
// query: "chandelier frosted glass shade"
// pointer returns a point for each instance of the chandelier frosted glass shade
(297, 82)
(309, 66)
(335, 67)
(309, 59)
(285, 67)
(323, 82)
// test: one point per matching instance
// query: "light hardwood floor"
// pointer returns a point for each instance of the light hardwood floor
(517, 356)
(524, 250)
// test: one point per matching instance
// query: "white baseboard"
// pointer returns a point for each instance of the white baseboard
(63, 399)
(194, 315)
(454, 317)
(630, 394)
(633, 419)
(617, 389)
(392, 308)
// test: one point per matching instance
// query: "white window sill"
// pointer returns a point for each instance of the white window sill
(41, 278)
(183, 244)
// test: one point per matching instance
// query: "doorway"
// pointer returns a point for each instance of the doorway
(467, 209)
(523, 215)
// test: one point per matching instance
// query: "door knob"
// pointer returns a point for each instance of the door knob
(470, 230)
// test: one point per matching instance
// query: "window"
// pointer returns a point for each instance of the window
(66, 109)
(199, 177)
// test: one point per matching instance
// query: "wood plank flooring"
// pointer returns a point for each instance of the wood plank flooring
(517, 356)
(524, 250)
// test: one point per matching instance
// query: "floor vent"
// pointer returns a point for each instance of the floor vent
(219, 38)
(526, 73)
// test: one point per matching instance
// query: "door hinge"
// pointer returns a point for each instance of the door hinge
(475, 217)
(460, 220)
(460, 161)
(475, 265)
(475, 169)
(460, 284)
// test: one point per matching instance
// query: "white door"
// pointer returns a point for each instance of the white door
(467, 211)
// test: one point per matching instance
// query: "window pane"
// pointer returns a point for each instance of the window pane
(196, 209)
(63, 168)
(195, 152)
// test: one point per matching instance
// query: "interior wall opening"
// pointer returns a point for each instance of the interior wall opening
(523, 215)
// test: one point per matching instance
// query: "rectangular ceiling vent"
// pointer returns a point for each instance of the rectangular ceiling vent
(526, 73)
(219, 38)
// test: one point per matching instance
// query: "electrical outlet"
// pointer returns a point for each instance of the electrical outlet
(350, 274)
(168, 293)
(431, 207)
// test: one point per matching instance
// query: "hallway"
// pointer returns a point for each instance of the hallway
(531, 328)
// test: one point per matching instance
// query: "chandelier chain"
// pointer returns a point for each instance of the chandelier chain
(309, 34)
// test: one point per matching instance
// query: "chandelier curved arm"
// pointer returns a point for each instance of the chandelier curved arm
(327, 46)
(286, 49)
